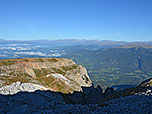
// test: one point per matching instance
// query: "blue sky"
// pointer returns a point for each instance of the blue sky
(120, 20)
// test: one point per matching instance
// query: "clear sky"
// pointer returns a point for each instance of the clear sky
(125, 20)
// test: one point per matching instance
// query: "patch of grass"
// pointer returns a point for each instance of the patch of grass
(37, 72)
(26, 60)
(45, 80)
(9, 81)
(12, 73)
(59, 71)
(53, 83)
(52, 60)
(41, 72)
(19, 74)
(60, 86)
(7, 62)
(67, 68)
(26, 75)
(40, 60)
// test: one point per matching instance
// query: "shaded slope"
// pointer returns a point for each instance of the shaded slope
(54, 102)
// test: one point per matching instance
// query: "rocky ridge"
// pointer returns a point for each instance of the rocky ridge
(34, 97)
(57, 74)
(55, 103)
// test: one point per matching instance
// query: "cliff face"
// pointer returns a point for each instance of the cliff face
(87, 102)
(63, 75)
(56, 74)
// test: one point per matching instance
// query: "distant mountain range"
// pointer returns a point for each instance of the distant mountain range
(109, 63)
(41, 84)
(125, 65)
(68, 42)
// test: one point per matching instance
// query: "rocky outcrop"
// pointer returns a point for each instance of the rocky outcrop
(30, 92)
(108, 92)
(23, 98)
(89, 95)
(58, 74)
(20, 87)
(146, 83)
(48, 102)
(144, 88)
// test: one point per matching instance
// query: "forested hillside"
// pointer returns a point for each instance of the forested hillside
(119, 66)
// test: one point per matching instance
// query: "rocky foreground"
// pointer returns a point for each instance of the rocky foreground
(49, 102)
(59, 86)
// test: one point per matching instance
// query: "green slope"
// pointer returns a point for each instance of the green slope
(116, 66)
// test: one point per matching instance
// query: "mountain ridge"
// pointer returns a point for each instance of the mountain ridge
(112, 66)
(58, 74)
(87, 102)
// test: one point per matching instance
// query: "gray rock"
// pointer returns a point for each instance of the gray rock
(108, 92)
(18, 87)
(89, 95)
(62, 70)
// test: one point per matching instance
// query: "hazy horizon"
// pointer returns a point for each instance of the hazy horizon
(75, 39)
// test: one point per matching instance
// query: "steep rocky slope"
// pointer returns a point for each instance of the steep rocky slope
(56, 74)
(26, 84)
(144, 88)
(48, 102)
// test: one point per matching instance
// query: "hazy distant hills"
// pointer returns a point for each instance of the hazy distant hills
(117, 64)
(109, 63)
(50, 48)
(123, 66)
(63, 42)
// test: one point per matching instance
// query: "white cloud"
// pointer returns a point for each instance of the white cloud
(39, 54)
(17, 44)
(3, 55)
(31, 53)
(55, 55)
(21, 48)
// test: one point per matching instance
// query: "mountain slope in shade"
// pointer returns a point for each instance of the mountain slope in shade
(58, 86)
(56, 103)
